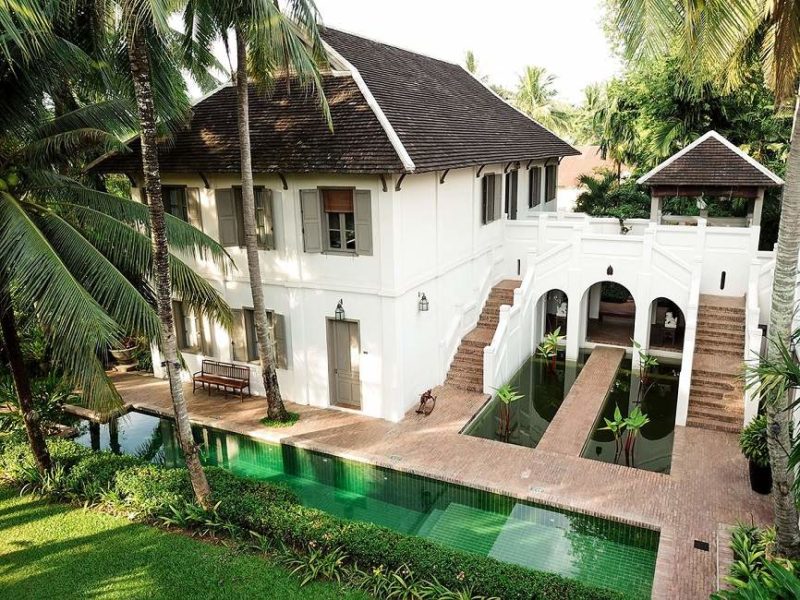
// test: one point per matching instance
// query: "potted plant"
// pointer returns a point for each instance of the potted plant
(753, 442)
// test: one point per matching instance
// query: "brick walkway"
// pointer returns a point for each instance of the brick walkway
(708, 484)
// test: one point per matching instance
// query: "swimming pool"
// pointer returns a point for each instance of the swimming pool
(585, 548)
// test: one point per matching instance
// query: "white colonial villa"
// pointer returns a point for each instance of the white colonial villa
(418, 242)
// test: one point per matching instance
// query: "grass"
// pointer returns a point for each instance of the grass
(293, 418)
(59, 551)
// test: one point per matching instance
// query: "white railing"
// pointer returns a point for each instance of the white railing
(752, 334)
(465, 318)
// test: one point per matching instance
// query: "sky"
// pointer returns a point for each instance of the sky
(564, 36)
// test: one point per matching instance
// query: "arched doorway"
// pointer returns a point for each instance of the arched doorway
(667, 325)
(556, 306)
(610, 314)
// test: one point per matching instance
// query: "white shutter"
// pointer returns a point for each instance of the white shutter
(193, 211)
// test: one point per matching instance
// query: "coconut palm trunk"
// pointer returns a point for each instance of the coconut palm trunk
(780, 326)
(22, 384)
(266, 354)
(140, 71)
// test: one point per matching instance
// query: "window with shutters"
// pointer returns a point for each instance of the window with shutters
(244, 340)
(189, 330)
(490, 198)
(339, 220)
(230, 215)
(534, 187)
(550, 182)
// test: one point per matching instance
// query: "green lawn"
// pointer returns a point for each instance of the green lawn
(57, 551)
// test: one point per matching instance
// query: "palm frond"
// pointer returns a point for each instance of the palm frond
(75, 325)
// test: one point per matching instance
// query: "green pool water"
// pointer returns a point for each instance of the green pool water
(585, 548)
(657, 396)
(543, 387)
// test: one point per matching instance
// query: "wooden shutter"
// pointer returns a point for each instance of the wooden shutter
(498, 197)
(279, 337)
(264, 219)
(238, 336)
(180, 324)
(193, 211)
(312, 220)
(238, 208)
(363, 218)
(206, 331)
(550, 177)
(226, 217)
(485, 200)
(535, 189)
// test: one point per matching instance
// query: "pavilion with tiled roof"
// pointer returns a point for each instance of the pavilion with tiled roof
(710, 166)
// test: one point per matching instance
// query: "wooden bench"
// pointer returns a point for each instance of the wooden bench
(222, 375)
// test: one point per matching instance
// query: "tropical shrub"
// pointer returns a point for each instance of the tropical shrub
(50, 393)
(16, 458)
(753, 441)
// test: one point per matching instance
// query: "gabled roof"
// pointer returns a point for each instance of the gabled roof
(711, 160)
(393, 111)
(588, 162)
(287, 133)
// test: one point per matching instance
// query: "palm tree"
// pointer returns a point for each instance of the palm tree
(719, 39)
(536, 97)
(271, 43)
(78, 261)
(145, 25)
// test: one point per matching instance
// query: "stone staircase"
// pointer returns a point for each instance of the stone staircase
(466, 370)
(716, 399)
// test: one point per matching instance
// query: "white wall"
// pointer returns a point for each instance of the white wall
(427, 237)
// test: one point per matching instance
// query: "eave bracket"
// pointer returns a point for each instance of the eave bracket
(399, 182)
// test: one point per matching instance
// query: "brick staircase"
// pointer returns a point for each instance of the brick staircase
(466, 370)
(716, 399)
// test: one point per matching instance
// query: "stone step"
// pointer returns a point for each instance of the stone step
(725, 415)
(468, 375)
(714, 317)
(719, 405)
(462, 366)
(704, 423)
(719, 349)
(476, 344)
(716, 308)
(701, 392)
(707, 379)
(463, 385)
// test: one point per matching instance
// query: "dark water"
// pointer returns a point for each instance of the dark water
(543, 388)
(588, 549)
(657, 397)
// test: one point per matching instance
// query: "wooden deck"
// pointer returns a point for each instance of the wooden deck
(708, 484)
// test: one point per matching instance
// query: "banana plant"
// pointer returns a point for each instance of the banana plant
(617, 428)
(633, 425)
(507, 395)
(548, 349)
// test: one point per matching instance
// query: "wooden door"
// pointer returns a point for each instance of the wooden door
(344, 360)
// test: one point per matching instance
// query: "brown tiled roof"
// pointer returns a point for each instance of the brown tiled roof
(711, 161)
(444, 117)
(287, 131)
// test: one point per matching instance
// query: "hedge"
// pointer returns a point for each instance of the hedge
(275, 512)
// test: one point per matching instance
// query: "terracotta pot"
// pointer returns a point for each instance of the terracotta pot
(760, 478)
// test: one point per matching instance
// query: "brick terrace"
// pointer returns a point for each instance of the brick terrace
(708, 485)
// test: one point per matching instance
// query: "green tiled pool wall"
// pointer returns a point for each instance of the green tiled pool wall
(589, 549)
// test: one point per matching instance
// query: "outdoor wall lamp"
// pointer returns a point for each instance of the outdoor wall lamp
(339, 313)
(423, 302)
